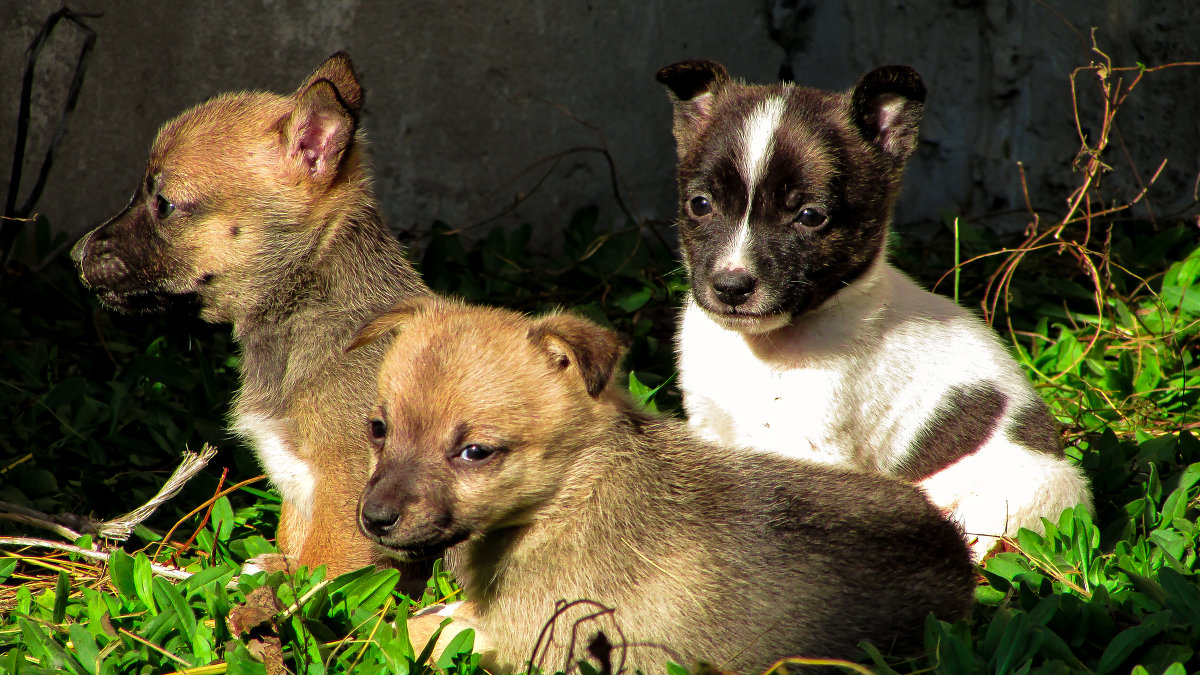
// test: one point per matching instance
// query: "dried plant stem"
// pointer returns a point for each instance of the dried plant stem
(1080, 208)
(20, 514)
(204, 505)
(120, 528)
(178, 575)
(156, 648)
(796, 661)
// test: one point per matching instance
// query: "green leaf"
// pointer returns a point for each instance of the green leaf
(120, 569)
(167, 595)
(635, 300)
(460, 644)
(676, 669)
(218, 574)
(370, 592)
(222, 521)
(34, 638)
(85, 648)
(1125, 643)
(46, 648)
(1182, 594)
(62, 593)
(1007, 565)
(7, 566)
(143, 582)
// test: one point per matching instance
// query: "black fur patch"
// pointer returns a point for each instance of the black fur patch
(819, 158)
(964, 420)
(1035, 428)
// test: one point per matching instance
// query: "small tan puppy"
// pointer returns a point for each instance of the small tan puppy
(503, 439)
(260, 208)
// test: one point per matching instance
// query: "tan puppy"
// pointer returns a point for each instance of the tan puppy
(260, 207)
(503, 439)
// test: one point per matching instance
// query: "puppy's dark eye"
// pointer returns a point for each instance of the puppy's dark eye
(811, 217)
(475, 453)
(377, 428)
(700, 206)
(163, 207)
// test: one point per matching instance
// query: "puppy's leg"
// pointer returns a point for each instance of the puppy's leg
(333, 533)
(1004, 487)
(289, 539)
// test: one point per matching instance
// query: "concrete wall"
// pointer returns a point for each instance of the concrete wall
(464, 98)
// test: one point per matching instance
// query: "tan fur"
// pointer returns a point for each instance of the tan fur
(703, 552)
(275, 230)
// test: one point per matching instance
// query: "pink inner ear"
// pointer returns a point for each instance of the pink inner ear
(889, 110)
(313, 140)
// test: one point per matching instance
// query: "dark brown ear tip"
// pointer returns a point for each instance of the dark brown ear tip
(339, 70)
(689, 79)
(325, 94)
(895, 79)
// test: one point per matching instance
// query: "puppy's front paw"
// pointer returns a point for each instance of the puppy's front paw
(271, 562)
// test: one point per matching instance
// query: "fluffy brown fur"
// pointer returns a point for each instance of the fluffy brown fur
(260, 207)
(502, 439)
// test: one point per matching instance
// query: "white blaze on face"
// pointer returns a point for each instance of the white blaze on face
(755, 145)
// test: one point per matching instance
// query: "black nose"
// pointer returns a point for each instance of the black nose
(378, 518)
(733, 287)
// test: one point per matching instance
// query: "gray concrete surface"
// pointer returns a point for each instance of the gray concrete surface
(466, 99)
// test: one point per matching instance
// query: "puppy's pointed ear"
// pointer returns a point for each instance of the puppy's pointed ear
(318, 132)
(887, 105)
(340, 72)
(694, 86)
(321, 127)
(388, 321)
(575, 342)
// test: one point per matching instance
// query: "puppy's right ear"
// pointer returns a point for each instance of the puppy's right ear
(694, 86)
(388, 321)
(321, 127)
(887, 105)
(575, 342)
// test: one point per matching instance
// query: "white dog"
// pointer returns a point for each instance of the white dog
(800, 338)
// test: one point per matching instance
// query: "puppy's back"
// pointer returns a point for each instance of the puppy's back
(869, 556)
(801, 559)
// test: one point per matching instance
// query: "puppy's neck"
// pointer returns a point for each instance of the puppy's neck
(850, 315)
(305, 323)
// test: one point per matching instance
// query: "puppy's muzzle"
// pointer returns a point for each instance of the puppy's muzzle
(378, 517)
(734, 287)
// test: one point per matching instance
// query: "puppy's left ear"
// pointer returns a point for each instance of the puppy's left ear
(388, 321)
(575, 342)
(887, 105)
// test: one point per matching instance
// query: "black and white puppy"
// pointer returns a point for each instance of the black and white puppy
(800, 338)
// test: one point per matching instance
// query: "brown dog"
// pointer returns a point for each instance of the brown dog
(502, 439)
(261, 207)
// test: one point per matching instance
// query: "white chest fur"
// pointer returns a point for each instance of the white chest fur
(850, 383)
(287, 471)
(735, 398)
